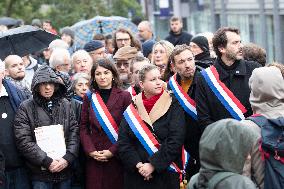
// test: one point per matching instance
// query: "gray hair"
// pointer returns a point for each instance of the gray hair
(148, 24)
(145, 69)
(78, 76)
(58, 43)
(58, 56)
(81, 52)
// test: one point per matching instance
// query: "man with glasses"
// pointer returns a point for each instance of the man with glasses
(123, 58)
(123, 38)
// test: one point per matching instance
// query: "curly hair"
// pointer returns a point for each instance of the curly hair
(253, 52)
(220, 38)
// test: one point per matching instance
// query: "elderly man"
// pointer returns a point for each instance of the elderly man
(96, 49)
(15, 72)
(10, 99)
(82, 62)
(123, 58)
(145, 31)
(60, 60)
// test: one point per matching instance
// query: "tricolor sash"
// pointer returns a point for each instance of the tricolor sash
(185, 101)
(225, 96)
(104, 117)
(146, 137)
(131, 91)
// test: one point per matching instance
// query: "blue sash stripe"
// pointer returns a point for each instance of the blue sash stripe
(136, 132)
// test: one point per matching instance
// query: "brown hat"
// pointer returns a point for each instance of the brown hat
(125, 53)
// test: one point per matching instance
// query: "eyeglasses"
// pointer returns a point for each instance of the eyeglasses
(120, 40)
(125, 64)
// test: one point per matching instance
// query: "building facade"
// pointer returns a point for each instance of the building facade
(260, 21)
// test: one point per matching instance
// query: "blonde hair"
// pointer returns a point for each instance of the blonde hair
(167, 45)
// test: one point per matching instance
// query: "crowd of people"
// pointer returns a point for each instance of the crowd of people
(140, 112)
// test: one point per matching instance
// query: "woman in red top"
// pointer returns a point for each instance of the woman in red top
(164, 117)
(103, 169)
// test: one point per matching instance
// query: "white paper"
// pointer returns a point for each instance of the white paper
(51, 140)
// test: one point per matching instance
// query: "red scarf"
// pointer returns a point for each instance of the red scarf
(150, 102)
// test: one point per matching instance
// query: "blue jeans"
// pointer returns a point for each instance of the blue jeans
(51, 185)
(17, 179)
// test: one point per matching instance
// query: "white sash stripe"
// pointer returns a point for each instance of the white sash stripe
(224, 94)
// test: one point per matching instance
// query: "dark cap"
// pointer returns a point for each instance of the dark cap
(147, 47)
(202, 42)
(93, 45)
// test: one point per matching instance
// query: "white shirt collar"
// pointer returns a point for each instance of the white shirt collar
(3, 91)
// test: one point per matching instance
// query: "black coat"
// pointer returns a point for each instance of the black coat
(235, 77)
(179, 39)
(34, 113)
(2, 168)
(170, 133)
(193, 132)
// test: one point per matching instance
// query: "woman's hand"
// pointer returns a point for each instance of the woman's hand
(146, 170)
(98, 155)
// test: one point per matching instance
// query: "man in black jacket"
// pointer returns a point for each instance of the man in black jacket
(15, 175)
(176, 35)
(233, 72)
(183, 61)
(47, 107)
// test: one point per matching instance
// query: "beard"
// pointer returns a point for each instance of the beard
(19, 78)
(123, 77)
(234, 56)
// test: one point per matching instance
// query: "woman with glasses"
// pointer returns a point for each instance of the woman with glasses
(101, 115)
(151, 137)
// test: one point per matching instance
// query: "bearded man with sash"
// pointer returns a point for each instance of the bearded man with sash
(183, 85)
(101, 115)
(151, 136)
(222, 89)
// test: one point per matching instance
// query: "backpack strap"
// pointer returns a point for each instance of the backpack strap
(258, 119)
(218, 177)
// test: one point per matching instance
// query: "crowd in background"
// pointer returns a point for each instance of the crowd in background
(139, 112)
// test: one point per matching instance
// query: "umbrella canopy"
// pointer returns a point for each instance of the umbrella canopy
(24, 40)
(8, 21)
(85, 30)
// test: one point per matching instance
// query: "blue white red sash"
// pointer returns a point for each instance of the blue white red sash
(226, 97)
(185, 101)
(146, 137)
(104, 117)
(131, 91)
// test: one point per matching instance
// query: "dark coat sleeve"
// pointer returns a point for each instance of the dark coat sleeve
(126, 101)
(171, 147)
(72, 139)
(126, 147)
(202, 100)
(2, 168)
(24, 139)
(85, 137)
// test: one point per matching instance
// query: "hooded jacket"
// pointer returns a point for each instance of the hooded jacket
(39, 111)
(224, 147)
(267, 92)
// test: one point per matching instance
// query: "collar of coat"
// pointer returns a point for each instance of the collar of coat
(159, 109)
(194, 81)
(240, 69)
